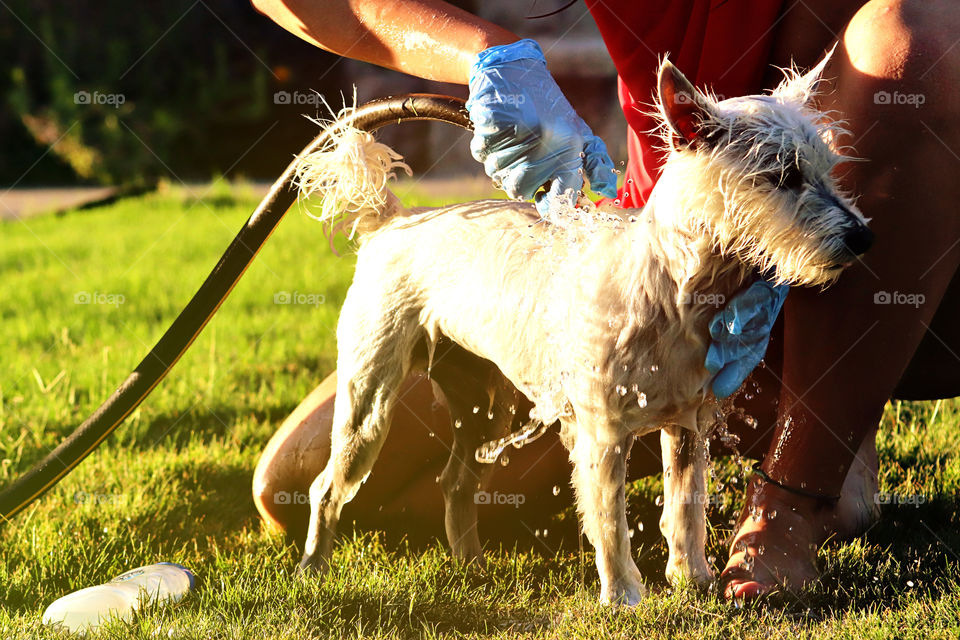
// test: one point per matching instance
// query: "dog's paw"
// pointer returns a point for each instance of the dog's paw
(313, 563)
(686, 572)
(623, 595)
(469, 558)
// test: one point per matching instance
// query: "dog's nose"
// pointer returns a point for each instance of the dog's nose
(859, 240)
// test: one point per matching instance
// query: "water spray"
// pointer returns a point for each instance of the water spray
(208, 298)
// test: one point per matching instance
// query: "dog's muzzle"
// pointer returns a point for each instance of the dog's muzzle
(859, 239)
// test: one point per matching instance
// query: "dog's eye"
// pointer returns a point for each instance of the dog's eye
(792, 177)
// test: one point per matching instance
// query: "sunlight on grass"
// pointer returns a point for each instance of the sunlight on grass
(86, 295)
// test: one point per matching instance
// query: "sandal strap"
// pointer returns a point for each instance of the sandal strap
(758, 472)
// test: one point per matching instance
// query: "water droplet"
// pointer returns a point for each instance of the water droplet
(490, 415)
(642, 399)
(772, 514)
(621, 390)
(544, 533)
(654, 368)
(761, 550)
(909, 583)
(556, 490)
(630, 533)
(504, 460)
(437, 479)
(639, 526)
(659, 501)
(476, 409)
(457, 423)
(583, 155)
(433, 435)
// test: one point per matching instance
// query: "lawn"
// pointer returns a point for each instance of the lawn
(85, 295)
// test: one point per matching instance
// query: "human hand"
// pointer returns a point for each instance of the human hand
(740, 334)
(526, 134)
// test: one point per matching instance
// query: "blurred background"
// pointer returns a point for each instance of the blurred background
(121, 95)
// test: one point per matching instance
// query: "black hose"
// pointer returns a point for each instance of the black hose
(208, 298)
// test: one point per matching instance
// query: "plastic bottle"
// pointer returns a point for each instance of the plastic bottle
(88, 608)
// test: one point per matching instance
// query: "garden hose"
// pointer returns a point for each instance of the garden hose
(208, 298)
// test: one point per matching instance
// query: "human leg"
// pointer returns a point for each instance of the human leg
(845, 349)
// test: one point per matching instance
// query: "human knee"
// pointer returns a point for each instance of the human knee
(282, 506)
(908, 40)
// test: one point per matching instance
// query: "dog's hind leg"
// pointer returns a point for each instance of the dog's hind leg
(480, 401)
(599, 475)
(375, 343)
(684, 522)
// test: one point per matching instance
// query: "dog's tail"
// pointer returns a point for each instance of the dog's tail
(350, 175)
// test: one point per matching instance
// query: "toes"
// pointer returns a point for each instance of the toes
(740, 580)
(746, 590)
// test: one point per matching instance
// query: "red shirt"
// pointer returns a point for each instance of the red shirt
(723, 45)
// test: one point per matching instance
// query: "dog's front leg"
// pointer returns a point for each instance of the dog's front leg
(684, 522)
(599, 474)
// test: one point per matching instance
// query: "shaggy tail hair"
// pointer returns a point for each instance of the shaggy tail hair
(350, 174)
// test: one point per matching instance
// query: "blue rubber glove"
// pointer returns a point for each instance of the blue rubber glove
(525, 131)
(741, 333)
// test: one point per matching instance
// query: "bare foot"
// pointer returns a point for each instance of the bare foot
(779, 532)
(776, 544)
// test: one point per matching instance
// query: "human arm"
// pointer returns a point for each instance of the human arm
(526, 134)
(425, 38)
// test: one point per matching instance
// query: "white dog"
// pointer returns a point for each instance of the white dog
(601, 322)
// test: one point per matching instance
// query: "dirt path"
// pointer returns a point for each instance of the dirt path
(23, 203)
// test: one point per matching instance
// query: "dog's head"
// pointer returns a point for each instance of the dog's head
(754, 175)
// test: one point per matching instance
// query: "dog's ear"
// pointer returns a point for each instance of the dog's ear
(684, 108)
(802, 88)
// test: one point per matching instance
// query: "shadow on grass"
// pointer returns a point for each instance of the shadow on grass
(439, 615)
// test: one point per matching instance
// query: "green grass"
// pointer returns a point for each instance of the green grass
(173, 482)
